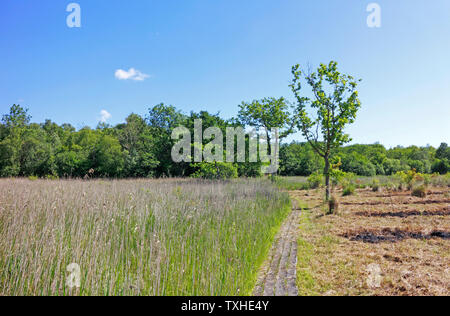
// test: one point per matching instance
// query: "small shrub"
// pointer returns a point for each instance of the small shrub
(361, 186)
(409, 178)
(420, 191)
(427, 179)
(349, 190)
(315, 180)
(349, 179)
(344, 178)
(337, 176)
(390, 186)
(438, 180)
(375, 186)
(32, 178)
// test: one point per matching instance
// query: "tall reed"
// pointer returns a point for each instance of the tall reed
(136, 237)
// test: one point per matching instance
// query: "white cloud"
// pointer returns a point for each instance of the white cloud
(104, 116)
(132, 74)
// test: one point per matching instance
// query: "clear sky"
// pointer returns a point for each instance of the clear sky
(213, 54)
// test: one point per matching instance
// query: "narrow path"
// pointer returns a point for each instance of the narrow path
(278, 275)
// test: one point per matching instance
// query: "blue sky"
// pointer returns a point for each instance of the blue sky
(213, 54)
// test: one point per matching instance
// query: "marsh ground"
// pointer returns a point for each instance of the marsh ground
(379, 243)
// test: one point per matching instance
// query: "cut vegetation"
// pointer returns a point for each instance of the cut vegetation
(377, 244)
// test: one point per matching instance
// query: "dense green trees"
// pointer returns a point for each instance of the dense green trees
(364, 160)
(299, 159)
(15, 124)
(141, 147)
(442, 162)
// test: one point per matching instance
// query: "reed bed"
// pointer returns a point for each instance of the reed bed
(136, 237)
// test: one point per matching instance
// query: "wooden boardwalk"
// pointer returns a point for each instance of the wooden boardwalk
(278, 275)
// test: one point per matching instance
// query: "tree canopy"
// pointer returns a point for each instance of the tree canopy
(335, 102)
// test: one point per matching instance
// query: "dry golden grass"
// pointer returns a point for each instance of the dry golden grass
(380, 243)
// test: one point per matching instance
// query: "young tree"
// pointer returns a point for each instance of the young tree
(336, 103)
(17, 118)
(267, 114)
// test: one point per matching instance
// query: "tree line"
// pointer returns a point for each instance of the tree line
(299, 159)
(141, 147)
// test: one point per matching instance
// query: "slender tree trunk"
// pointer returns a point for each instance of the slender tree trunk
(327, 177)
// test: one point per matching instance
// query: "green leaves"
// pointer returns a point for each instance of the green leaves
(335, 101)
(17, 117)
(215, 170)
(267, 113)
(336, 104)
